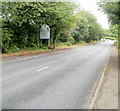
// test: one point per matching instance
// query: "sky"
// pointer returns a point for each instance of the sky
(91, 5)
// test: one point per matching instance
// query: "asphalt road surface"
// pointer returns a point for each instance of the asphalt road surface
(62, 80)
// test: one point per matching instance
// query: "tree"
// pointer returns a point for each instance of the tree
(22, 21)
(82, 30)
(88, 29)
(114, 30)
(112, 10)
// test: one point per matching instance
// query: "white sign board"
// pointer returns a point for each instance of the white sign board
(45, 32)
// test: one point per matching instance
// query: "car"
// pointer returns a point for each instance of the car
(115, 42)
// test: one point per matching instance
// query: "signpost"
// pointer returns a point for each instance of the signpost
(45, 33)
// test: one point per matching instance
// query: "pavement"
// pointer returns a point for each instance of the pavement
(62, 80)
(108, 94)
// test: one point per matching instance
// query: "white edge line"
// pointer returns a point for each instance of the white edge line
(68, 59)
(42, 68)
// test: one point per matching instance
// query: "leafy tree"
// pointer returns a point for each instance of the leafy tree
(82, 31)
(22, 21)
(114, 30)
(112, 10)
(88, 29)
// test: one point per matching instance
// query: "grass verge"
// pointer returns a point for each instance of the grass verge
(107, 69)
(60, 46)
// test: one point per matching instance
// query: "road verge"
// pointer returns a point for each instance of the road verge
(96, 89)
(98, 84)
(43, 52)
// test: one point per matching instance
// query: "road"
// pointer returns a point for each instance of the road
(62, 80)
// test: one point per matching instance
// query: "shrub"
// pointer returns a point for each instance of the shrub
(81, 42)
(71, 40)
(68, 44)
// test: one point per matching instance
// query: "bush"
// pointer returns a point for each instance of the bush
(68, 43)
(9, 49)
(71, 40)
(81, 42)
(6, 40)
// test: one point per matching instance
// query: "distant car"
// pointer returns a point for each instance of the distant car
(115, 42)
(103, 39)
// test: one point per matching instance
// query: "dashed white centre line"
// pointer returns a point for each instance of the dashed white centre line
(42, 68)
(68, 59)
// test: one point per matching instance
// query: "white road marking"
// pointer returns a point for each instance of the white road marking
(42, 68)
(68, 59)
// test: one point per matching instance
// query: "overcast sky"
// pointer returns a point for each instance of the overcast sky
(91, 5)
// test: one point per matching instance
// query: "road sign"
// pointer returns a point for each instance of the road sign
(45, 32)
